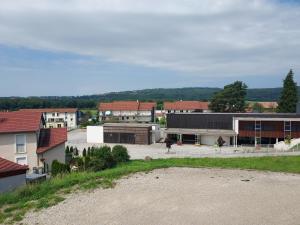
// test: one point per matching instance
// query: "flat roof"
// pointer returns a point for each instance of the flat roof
(199, 131)
(263, 115)
(128, 125)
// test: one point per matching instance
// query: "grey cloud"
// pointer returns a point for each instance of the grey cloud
(221, 38)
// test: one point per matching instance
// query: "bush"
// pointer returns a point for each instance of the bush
(105, 154)
(120, 153)
(84, 152)
(59, 168)
(96, 164)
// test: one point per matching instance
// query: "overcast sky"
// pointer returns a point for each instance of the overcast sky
(76, 47)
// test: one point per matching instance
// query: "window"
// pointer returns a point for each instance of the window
(57, 114)
(21, 160)
(181, 111)
(71, 119)
(122, 117)
(127, 118)
(169, 111)
(258, 126)
(51, 120)
(287, 125)
(20, 143)
(59, 125)
(53, 114)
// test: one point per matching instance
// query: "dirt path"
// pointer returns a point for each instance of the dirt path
(186, 196)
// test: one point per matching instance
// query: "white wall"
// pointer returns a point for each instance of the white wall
(212, 140)
(94, 134)
(57, 153)
(12, 182)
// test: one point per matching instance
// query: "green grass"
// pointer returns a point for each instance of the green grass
(14, 205)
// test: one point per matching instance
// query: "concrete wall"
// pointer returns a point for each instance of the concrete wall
(212, 140)
(94, 134)
(57, 153)
(12, 182)
(8, 148)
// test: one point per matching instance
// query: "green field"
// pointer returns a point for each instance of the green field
(14, 205)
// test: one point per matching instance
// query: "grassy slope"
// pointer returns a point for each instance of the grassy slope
(14, 205)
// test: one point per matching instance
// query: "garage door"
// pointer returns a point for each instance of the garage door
(124, 138)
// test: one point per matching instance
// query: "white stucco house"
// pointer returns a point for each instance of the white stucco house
(59, 117)
(127, 111)
(25, 140)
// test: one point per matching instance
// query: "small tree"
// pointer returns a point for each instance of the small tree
(84, 152)
(220, 142)
(120, 153)
(71, 149)
(67, 150)
(76, 153)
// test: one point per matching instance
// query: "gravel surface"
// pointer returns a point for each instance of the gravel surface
(183, 196)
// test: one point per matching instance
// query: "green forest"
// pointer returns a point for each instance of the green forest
(159, 95)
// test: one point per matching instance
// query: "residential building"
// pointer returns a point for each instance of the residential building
(12, 175)
(127, 111)
(257, 107)
(235, 128)
(59, 117)
(25, 140)
(186, 107)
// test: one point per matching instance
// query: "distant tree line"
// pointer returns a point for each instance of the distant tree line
(160, 95)
(16, 103)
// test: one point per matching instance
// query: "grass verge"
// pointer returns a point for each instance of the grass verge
(14, 205)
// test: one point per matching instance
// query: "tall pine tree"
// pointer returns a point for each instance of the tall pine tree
(230, 99)
(289, 96)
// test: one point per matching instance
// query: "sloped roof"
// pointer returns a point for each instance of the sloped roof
(52, 110)
(8, 168)
(186, 105)
(126, 106)
(12, 122)
(50, 138)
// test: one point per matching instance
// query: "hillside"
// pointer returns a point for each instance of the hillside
(159, 94)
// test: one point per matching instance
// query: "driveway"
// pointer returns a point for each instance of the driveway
(178, 196)
(78, 138)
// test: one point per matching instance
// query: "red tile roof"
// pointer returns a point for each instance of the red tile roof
(186, 105)
(51, 138)
(8, 168)
(126, 106)
(50, 110)
(12, 122)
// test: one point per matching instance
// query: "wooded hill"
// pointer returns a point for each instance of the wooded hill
(158, 94)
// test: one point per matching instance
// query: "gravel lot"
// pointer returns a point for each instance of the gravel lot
(78, 138)
(186, 196)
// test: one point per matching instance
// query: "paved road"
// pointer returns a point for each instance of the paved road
(78, 138)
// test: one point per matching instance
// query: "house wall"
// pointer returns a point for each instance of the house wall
(8, 148)
(68, 120)
(57, 153)
(127, 116)
(12, 182)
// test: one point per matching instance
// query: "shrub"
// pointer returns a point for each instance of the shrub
(96, 164)
(59, 168)
(105, 154)
(120, 153)
(84, 152)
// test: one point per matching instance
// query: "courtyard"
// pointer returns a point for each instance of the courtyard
(77, 138)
